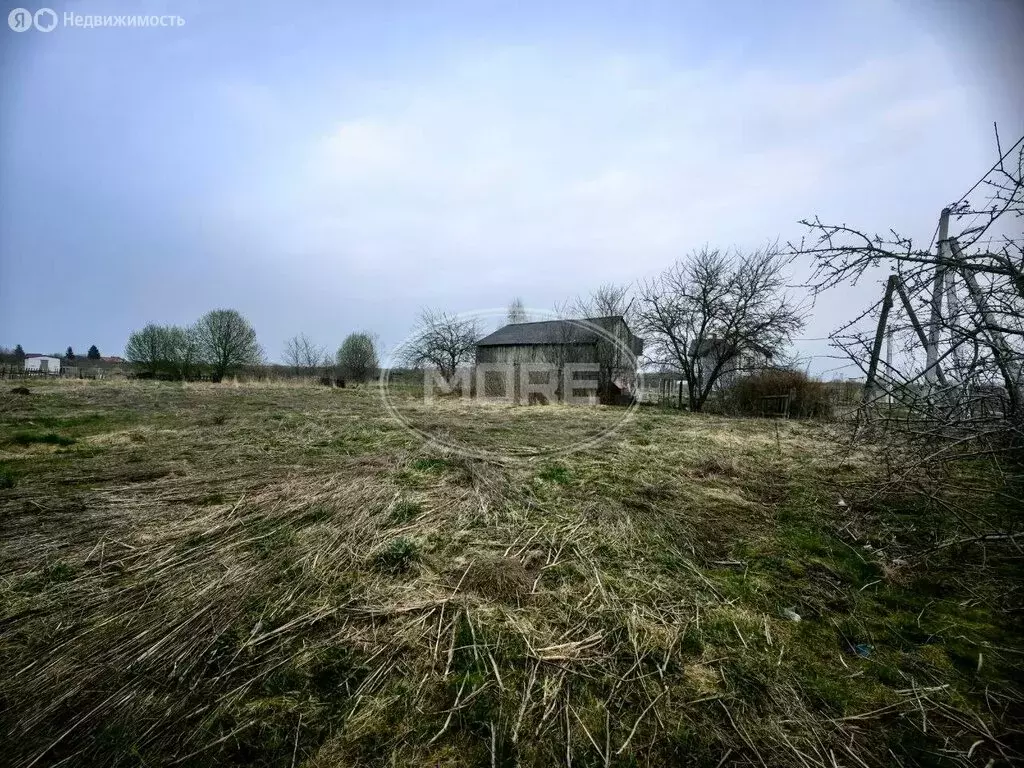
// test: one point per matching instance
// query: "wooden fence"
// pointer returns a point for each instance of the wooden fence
(17, 371)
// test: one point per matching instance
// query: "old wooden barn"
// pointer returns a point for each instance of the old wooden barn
(596, 349)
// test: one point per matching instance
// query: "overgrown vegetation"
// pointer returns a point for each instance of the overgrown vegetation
(757, 393)
(304, 583)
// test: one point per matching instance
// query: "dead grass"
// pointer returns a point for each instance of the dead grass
(267, 575)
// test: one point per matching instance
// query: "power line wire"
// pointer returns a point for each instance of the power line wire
(997, 164)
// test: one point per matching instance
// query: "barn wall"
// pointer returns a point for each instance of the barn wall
(616, 327)
(537, 353)
(554, 356)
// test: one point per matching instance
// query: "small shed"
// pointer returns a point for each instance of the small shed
(43, 364)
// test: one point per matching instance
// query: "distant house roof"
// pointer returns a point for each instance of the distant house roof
(36, 354)
(710, 347)
(112, 359)
(582, 331)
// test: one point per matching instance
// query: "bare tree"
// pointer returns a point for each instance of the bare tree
(146, 348)
(166, 350)
(357, 357)
(566, 339)
(301, 354)
(516, 312)
(616, 356)
(441, 340)
(607, 300)
(181, 351)
(701, 314)
(226, 341)
(617, 348)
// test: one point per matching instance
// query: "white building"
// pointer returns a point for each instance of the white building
(43, 364)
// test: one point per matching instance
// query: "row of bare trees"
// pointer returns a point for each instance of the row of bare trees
(355, 360)
(221, 342)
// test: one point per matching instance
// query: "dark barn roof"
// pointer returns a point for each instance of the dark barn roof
(544, 332)
(583, 331)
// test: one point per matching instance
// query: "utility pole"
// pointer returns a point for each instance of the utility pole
(888, 366)
(1013, 375)
(916, 324)
(876, 349)
(953, 315)
(935, 322)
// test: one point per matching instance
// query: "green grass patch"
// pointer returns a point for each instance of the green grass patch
(554, 473)
(26, 438)
(433, 464)
(406, 511)
(398, 556)
(53, 573)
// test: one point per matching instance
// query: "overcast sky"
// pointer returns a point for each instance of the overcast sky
(335, 166)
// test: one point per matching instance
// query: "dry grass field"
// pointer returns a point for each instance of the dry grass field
(283, 575)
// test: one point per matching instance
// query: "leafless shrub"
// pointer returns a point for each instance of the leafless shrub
(301, 354)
